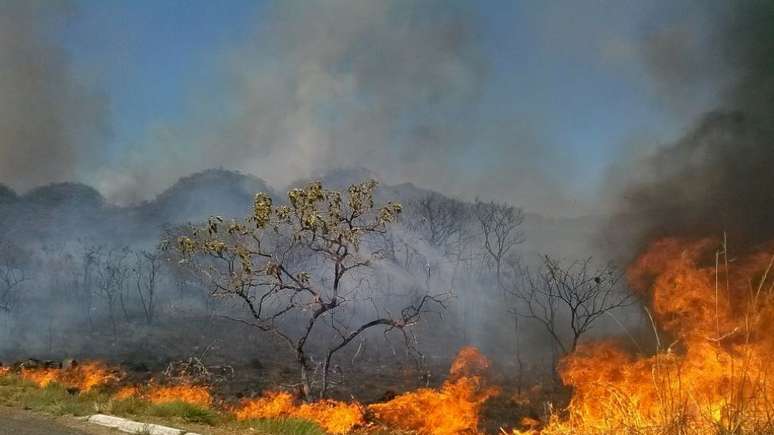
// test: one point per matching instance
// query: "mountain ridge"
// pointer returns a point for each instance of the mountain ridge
(66, 211)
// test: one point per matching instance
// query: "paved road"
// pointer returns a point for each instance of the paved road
(17, 422)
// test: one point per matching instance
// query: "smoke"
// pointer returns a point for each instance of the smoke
(51, 124)
(393, 86)
(717, 177)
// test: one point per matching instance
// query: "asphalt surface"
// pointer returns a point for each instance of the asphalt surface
(17, 422)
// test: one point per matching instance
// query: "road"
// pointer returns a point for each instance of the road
(18, 422)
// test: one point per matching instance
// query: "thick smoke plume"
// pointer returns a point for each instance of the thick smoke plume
(50, 124)
(392, 86)
(718, 177)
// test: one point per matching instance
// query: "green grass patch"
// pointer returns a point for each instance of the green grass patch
(186, 411)
(56, 400)
(53, 399)
(283, 426)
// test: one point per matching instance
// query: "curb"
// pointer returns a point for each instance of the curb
(135, 427)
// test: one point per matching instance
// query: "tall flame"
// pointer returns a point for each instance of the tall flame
(452, 409)
(711, 372)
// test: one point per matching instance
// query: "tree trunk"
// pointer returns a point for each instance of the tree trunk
(326, 370)
(306, 385)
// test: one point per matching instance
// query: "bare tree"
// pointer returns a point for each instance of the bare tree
(83, 279)
(568, 299)
(501, 231)
(146, 273)
(304, 266)
(12, 274)
(438, 219)
(110, 282)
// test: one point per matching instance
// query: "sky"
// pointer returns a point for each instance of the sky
(530, 102)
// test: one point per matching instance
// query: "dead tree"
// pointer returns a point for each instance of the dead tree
(146, 273)
(84, 279)
(438, 219)
(300, 267)
(110, 283)
(568, 299)
(12, 274)
(500, 226)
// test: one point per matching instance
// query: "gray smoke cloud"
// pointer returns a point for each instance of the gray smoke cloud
(51, 124)
(717, 177)
(393, 86)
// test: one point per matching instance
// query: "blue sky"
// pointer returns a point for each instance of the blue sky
(149, 54)
(570, 74)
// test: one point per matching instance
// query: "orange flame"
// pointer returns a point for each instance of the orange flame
(84, 376)
(452, 409)
(333, 416)
(191, 394)
(712, 378)
(125, 393)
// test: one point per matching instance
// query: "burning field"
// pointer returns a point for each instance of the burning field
(390, 217)
(712, 316)
(451, 409)
(710, 313)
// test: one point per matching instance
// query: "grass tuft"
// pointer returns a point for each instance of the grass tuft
(56, 400)
(283, 426)
(186, 411)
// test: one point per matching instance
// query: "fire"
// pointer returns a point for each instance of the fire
(4, 371)
(159, 394)
(333, 416)
(192, 394)
(84, 376)
(711, 372)
(125, 393)
(41, 377)
(452, 409)
(271, 405)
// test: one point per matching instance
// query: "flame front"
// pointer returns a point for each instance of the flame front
(452, 409)
(333, 416)
(84, 376)
(711, 371)
(191, 394)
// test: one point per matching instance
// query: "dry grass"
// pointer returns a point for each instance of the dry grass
(55, 399)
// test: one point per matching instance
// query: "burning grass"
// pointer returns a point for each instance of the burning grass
(53, 398)
(333, 416)
(454, 408)
(713, 373)
(84, 377)
(191, 394)
(709, 374)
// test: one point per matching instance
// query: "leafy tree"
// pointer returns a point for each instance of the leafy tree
(301, 270)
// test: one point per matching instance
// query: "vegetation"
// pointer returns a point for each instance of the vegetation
(257, 261)
(283, 426)
(55, 399)
(332, 276)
